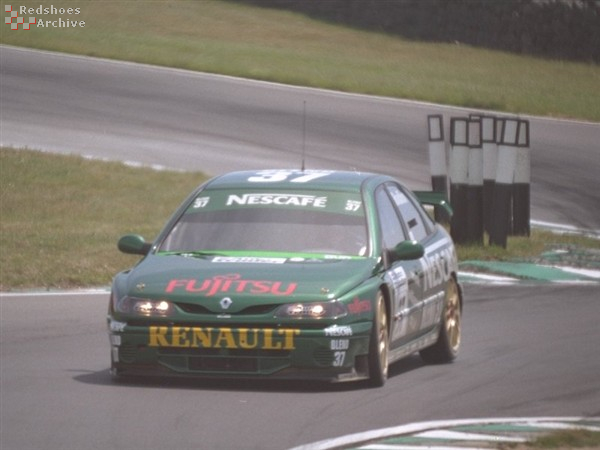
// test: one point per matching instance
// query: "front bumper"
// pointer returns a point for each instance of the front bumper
(334, 353)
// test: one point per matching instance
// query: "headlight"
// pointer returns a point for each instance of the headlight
(329, 310)
(145, 307)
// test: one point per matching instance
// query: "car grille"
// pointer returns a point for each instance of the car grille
(251, 310)
(323, 356)
(225, 360)
(203, 364)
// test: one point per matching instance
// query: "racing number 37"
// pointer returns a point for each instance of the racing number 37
(269, 176)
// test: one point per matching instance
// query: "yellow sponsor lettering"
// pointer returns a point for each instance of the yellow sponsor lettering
(179, 337)
(288, 343)
(268, 343)
(244, 338)
(158, 337)
(201, 337)
(225, 337)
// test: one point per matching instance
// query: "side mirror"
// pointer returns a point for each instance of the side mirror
(408, 250)
(134, 244)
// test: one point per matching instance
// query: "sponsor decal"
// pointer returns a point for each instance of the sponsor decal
(339, 344)
(353, 205)
(438, 266)
(292, 176)
(116, 327)
(335, 331)
(398, 279)
(201, 202)
(231, 338)
(230, 283)
(248, 260)
(359, 306)
(338, 359)
(277, 200)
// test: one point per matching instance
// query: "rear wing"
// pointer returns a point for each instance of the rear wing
(436, 199)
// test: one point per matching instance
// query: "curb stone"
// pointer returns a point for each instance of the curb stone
(502, 271)
(472, 434)
(559, 263)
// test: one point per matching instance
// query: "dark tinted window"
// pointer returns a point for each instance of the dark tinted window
(312, 222)
(391, 228)
(413, 219)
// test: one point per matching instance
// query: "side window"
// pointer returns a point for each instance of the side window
(391, 227)
(417, 229)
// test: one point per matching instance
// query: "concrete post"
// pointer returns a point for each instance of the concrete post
(475, 183)
(521, 186)
(459, 169)
(490, 163)
(438, 161)
(506, 164)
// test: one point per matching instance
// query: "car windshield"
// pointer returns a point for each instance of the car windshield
(298, 222)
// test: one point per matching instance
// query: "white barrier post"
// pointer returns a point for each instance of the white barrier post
(490, 162)
(438, 161)
(459, 169)
(521, 187)
(507, 162)
(475, 183)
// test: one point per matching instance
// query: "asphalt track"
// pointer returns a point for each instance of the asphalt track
(526, 352)
(194, 121)
(529, 350)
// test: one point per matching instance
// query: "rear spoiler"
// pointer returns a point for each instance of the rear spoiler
(434, 199)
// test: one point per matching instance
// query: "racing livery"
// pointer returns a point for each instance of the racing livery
(289, 274)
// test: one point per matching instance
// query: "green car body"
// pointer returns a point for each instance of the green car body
(288, 274)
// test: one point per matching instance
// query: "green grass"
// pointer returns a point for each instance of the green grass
(229, 38)
(568, 439)
(61, 217)
(560, 440)
(523, 248)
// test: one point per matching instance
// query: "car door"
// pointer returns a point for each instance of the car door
(420, 228)
(405, 278)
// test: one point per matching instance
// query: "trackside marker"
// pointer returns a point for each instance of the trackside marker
(507, 162)
(475, 182)
(438, 161)
(522, 181)
(415, 429)
(459, 178)
(490, 163)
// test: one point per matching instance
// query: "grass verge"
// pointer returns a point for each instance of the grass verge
(61, 216)
(560, 440)
(225, 37)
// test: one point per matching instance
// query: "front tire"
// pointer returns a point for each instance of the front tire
(379, 344)
(446, 348)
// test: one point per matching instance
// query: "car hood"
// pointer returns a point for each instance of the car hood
(247, 280)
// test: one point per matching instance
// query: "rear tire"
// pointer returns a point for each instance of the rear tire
(379, 344)
(446, 348)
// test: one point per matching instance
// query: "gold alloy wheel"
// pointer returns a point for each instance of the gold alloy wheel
(382, 344)
(452, 317)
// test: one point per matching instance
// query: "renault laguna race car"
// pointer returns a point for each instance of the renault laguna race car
(289, 274)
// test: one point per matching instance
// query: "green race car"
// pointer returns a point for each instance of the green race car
(289, 274)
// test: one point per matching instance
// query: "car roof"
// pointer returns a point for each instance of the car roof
(279, 179)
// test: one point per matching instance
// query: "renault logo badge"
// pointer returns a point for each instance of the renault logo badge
(225, 302)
